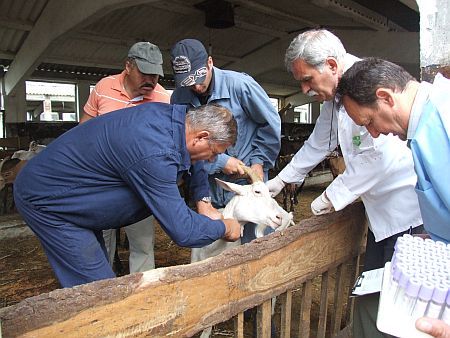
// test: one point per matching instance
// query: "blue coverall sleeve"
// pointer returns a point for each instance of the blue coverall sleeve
(199, 186)
(155, 181)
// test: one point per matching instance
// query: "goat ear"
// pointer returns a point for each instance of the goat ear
(238, 189)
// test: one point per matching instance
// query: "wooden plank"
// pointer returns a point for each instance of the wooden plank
(323, 310)
(239, 325)
(182, 300)
(263, 320)
(286, 313)
(338, 299)
(351, 300)
(305, 310)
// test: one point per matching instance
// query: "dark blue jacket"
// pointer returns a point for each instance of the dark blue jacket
(117, 169)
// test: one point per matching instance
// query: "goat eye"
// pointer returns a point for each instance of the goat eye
(257, 192)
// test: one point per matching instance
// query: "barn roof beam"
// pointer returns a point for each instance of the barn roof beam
(15, 24)
(359, 13)
(47, 29)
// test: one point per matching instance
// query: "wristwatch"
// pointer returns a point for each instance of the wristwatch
(206, 199)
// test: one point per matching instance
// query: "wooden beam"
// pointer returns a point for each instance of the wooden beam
(338, 300)
(239, 325)
(264, 315)
(305, 310)
(323, 309)
(286, 312)
(183, 300)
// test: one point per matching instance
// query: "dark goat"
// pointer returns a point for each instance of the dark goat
(293, 135)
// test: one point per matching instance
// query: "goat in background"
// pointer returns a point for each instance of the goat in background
(9, 169)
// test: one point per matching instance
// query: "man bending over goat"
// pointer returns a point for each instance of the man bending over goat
(115, 170)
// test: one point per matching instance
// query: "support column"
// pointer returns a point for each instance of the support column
(434, 38)
(15, 105)
(82, 96)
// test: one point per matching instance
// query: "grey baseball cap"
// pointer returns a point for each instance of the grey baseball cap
(189, 59)
(148, 58)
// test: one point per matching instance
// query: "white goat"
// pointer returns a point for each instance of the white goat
(251, 204)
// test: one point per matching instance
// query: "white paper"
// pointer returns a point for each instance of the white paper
(368, 282)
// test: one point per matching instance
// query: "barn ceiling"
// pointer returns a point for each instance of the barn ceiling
(87, 39)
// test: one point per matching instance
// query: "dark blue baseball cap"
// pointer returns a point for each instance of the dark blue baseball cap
(189, 60)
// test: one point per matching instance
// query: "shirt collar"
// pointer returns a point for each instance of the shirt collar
(416, 110)
(219, 89)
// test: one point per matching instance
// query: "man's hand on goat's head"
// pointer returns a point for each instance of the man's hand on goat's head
(232, 230)
(234, 167)
(208, 210)
(275, 186)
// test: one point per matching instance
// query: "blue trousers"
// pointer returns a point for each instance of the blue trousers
(77, 255)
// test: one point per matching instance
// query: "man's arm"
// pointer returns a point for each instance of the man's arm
(85, 117)
(91, 107)
(205, 207)
(369, 162)
(160, 193)
(266, 142)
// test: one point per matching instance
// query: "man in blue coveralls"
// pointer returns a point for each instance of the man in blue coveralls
(115, 170)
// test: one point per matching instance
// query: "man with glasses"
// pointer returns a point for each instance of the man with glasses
(379, 171)
(115, 170)
(137, 84)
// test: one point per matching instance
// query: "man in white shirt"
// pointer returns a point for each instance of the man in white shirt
(379, 171)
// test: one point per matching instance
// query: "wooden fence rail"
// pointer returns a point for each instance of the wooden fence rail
(180, 301)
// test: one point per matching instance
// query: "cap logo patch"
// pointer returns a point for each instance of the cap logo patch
(190, 80)
(181, 64)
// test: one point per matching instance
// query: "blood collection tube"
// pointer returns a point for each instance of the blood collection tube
(436, 304)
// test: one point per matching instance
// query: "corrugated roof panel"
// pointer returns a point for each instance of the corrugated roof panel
(11, 40)
(18, 18)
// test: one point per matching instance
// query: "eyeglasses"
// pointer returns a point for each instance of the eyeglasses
(213, 148)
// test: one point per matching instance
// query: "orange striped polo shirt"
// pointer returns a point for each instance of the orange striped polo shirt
(109, 94)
